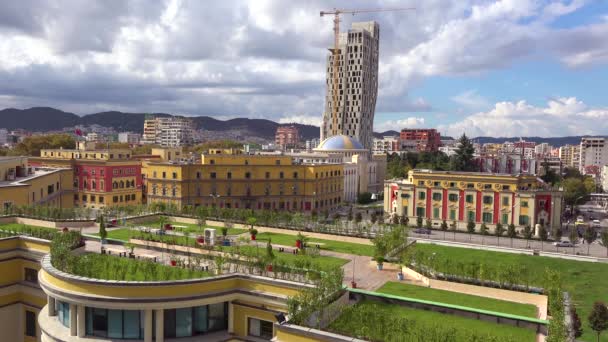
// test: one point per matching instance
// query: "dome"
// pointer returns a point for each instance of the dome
(340, 142)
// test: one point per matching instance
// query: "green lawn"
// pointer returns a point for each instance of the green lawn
(328, 245)
(455, 298)
(585, 281)
(192, 228)
(392, 323)
(35, 231)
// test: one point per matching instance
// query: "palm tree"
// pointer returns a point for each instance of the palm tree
(527, 234)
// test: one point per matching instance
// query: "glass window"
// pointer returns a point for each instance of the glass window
(183, 322)
(487, 199)
(31, 275)
(505, 201)
(523, 220)
(115, 323)
(421, 195)
(469, 198)
(200, 319)
(436, 196)
(453, 197)
(420, 211)
(487, 217)
(436, 213)
(260, 328)
(487, 186)
(218, 319)
(30, 323)
(452, 214)
(63, 313)
(505, 219)
(471, 215)
(524, 204)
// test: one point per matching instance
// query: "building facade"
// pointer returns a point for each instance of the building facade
(101, 178)
(352, 89)
(387, 144)
(593, 154)
(168, 131)
(478, 197)
(230, 179)
(21, 184)
(426, 140)
(570, 155)
(287, 137)
(129, 138)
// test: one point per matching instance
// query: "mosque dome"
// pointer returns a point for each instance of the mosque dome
(340, 142)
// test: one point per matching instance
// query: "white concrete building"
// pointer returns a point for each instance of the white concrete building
(129, 138)
(388, 144)
(4, 136)
(570, 155)
(351, 112)
(593, 154)
(543, 149)
(604, 178)
(168, 131)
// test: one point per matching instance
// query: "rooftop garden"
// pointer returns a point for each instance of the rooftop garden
(12, 229)
(385, 322)
(584, 281)
(456, 298)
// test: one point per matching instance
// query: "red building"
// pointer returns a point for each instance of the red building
(287, 136)
(427, 139)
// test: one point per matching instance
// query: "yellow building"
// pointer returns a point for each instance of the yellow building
(230, 179)
(470, 196)
(22, 184)
(21, 297)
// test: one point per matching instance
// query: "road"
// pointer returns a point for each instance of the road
(595, 249)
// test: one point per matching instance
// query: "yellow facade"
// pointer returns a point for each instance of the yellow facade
(246, 181)
(22, 185)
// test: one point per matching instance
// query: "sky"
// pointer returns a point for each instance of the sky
(486, 68)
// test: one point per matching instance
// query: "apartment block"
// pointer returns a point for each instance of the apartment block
(425, 140)
(570, 155)
(287, 137)
(593, 154)
(168, 131)
(352, 85)
(129, 138)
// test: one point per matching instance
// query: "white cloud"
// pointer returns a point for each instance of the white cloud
(470, 99)
(301, 119)
(560, 117)
(397, 125)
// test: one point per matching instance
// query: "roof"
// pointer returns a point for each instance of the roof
(340, 142)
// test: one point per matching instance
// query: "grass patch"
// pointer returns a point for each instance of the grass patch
(385, 322)
(192, 228)
(585, 281)
(328, 245)
(24, 229)
(456, 298)
(114, 268)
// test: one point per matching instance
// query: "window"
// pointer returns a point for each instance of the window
(487, 217)
(154, 174)
(436, 184)
(505, 201)
(420, 211)
(405, 195)
(212, 162)
(267, 175)
(453, 197)
(281, 175)
(229, 175)
(164, 174)
(487, 186)
(30, 323)
(452, 184)
(198, 175)
(470, 186)
(120, 324)
(523, 220)
(277, 162)
(505, 219)
(100, 199)
(436, 196)
(259, 328)
(436, 213)
(115, 199)
(174, 175)
(452, 214)
(487, 199)
(421, 195)
(506, 187)
(523, 204)
(212, 175)
(63, 313)
(295, 175)
(75, 197)
(84, 198)
(195, 320)
(469, 198)
(471, 216)
(420, 183)
(247, 175)
(31, 275)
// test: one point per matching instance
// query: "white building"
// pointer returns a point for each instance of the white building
(604, 178)
(129, 138)
(388, 144)
(593, 154)
(543, 149)
(4, 136)
(351, 112)
(168, 131)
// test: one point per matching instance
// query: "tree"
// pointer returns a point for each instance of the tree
(358, 217)
(604, 240)
(404, 220)
(483, 229)
(543, 235)
(32, 145)
(470, 229)
(251, 221)
(269, 251)
(419, 221)
(598, 318)
(590, 235)
(573, 238)
(463, 159)
(453, 228)
(364, 198)
(527, 234)
(162, 221)
(498, 231)
(577, 325)
(395, 219)
(103, 233)
(428, 224)
(557, 233)
(511, 232)
(574, 190)
(444, 227)
(549, 176)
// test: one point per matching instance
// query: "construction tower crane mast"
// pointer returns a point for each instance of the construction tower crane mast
(336, 53)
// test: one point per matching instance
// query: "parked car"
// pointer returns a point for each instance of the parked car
(422, 231)
(563, 244)
(595, 223)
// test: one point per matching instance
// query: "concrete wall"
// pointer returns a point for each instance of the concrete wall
(9, 322)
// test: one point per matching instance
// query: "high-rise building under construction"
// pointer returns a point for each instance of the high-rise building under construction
(357, 85)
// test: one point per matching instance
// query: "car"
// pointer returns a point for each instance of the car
(422, 231)
(595, 223)
(563, 244)
(580, 219)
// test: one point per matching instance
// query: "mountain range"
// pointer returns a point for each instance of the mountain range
(42, 119)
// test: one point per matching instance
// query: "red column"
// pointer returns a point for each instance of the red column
(478, 207)
(429, 204)
(461, 206)
(444, 199)
(496, 206)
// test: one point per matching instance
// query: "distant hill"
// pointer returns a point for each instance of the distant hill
(391, 133)
(50, 119)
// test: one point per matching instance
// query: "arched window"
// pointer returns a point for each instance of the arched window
(115, 185)
(93, 185)
(122, 184)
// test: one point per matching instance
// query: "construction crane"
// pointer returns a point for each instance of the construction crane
(336, 52)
